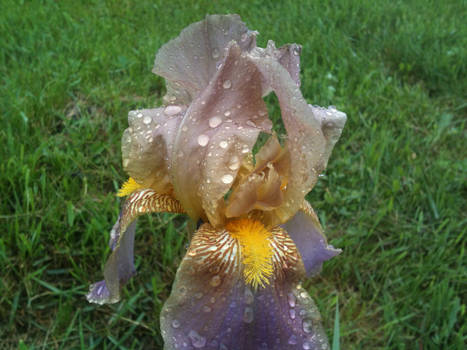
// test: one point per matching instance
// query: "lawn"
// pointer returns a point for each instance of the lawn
(393, 196)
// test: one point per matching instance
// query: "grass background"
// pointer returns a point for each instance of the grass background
(393, 196)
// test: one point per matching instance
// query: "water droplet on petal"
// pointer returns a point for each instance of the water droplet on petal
(292, 314)
(227, 179)
(223, 144)
(172, 110)
(215, 53)
(292, 340)
(215, 281)
(306, 345)
(203, 140)
(307, 325)
(227, 113)
(234, 163)
(175, 323)
(197, 340)
(248, 315)
(291, 299)
(147, 119)
(227, 84)
(206, 309)
(215, 122)
(250, 123)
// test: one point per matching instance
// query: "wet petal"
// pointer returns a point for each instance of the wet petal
(217, 132)
(210, 306)
(120, 267)
(147, 145)
(189, 61)
(309, 139)
(305, 230)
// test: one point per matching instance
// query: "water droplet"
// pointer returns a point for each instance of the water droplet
(292, 314)
(304, 294)
(249, 297)
(215, 122)
(206, 309)
(223, 144)
(291, 299)
(197, 340)
(172, 110)
(296, 50)
(175, 323)
(306, 345)
(307, 325)
(245, 150)
(227, 113)
(251, 123)
(248, 315)
(215, 281)
(227, 179)
(147, 119)
(227, 84)
(139, 115)
(215, 53)
(292, 340)
(203, 140)
(234, 163)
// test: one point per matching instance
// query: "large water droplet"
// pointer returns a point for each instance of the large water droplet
(215, 281)
(172, 110)
(215, 122)
(147, 119)
(227, 84)
(291, 299)
(175, 323)
(203, 140)
(307, 325)
(227, 179)
(248, 315)
(197, 340)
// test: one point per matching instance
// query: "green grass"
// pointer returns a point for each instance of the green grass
(393, 196)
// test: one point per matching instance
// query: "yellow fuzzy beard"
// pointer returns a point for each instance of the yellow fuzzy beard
(129, 187)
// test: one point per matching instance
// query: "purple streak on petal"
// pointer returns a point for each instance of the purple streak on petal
(310, 241)
(98, 293)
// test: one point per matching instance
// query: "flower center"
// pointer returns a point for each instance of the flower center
(257, 252)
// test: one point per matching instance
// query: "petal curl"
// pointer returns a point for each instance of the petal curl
(310, 137)
(119, 268)
(210, 306)
(305, 230)
(147, 145)
(217, 132)
(189, 61)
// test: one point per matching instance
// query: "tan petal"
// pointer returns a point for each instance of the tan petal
(189, 61)
(147, 145)
(217, 132)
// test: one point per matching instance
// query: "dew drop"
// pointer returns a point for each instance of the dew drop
(292, 340)
(292, 314)
(248, 315)
(223, 144)
(251, 123)
(307, 325)
(227, 113)
(147, 119)
(306, 345)
(234, 163)
(215, 53)
(206, 309)
(227, 84)
(139, 115)
(291, 299)
(203, 140)
(227, 179)
(215, 122)
(175, 323)
(215, 281)
(197, 340)
(172, 110)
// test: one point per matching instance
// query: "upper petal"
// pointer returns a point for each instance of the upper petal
(147, 145)
(305, 230)
(189, 61)
(210, 306)
(217, 132)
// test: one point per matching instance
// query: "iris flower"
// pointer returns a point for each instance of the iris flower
(238, 286)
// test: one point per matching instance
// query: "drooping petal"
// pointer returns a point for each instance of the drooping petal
(189, 61)
(217, 132)
(211, 307)
(147, 145)
(120, 267)
(310, 137)
(305, 230)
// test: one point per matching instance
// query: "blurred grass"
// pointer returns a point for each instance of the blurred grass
(393, 196)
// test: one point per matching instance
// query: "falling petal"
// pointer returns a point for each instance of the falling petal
(211, 307)
(210, 146)
(305, 230)
(120, 267)
(189, 61)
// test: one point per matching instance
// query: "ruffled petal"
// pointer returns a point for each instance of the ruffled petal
(210, 306)
(189, 61)
(217, 132)
(305, 230)
(310, 135)
(147, 145)
(120, 267)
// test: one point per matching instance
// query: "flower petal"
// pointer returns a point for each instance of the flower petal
(311, 134)
(305, 230)
(147, 145)
(120, 267)
(210, 306)
(217, 132)
(189, 61)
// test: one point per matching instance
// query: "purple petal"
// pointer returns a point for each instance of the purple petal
(217, 132)
(189, 61)
(98, 293)
(306, 232)
(210, 306)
